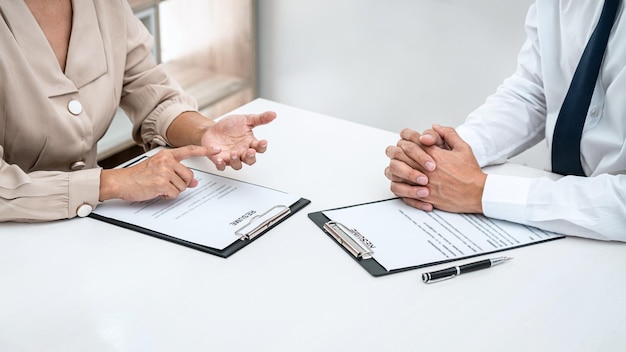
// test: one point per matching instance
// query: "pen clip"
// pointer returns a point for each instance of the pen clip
(266, 221)
(350, 239)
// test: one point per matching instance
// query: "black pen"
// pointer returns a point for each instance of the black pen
(462, 269)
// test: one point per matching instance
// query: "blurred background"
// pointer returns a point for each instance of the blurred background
(388, 64)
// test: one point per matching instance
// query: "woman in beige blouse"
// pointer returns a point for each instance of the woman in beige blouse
(65, 68)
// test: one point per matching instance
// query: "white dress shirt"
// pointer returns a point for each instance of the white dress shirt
(524, 111)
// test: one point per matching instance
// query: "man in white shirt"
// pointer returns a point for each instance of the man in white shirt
(441, 168)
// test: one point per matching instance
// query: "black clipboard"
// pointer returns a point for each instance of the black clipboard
(244, 240)
(250, 230)
(348, 239)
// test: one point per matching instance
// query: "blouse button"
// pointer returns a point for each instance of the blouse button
(75, 107)
(84, 210)
(78, 165)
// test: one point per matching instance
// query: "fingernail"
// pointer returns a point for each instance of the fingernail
(430, 166)
(422, 193)
(422, 180)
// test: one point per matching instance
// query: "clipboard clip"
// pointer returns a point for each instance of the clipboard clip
(350, 239)
(259, 223)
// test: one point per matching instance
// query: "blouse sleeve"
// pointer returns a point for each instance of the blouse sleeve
(45, 195)
(150, 96)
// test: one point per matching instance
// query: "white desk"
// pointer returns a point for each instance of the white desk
(84, 285)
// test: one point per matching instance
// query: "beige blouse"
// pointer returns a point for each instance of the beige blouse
(50, 120)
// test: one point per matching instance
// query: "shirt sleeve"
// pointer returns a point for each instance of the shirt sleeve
(592, 207)
(513, 118)
(150, 96)
(45, 195)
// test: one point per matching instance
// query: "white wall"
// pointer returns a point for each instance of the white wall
(392, 63)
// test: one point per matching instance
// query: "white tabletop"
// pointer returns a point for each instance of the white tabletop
(84, 285)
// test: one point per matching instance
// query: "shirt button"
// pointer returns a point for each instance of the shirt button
(78, 165)
(593, 112)
(75, 107)
(84, 210)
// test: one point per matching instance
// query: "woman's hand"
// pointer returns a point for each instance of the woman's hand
(161, 175)
(234, 138)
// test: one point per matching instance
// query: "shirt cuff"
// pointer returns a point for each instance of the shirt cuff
(84, 189)
(154, 128)
(505, 197)
(168, 115)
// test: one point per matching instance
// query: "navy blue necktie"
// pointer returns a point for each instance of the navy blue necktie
(569, 124)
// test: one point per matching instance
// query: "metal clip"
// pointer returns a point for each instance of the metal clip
(265, 224)
(360, 247)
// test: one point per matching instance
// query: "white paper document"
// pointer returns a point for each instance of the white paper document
(403, 236)
(209, 214)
